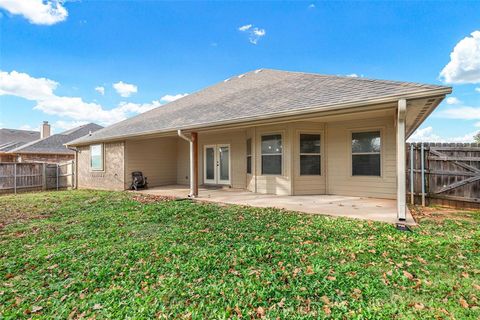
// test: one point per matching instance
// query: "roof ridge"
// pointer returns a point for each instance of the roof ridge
(361, 78)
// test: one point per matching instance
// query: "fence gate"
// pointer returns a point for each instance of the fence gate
(451, 174)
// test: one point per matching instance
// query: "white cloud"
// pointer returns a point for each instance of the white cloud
(428, 135)
(27, 127)
(462, 113)
(45, 12)
(170, 98)
(67, 125)
(100, 90)
(453, 100)
(254, 33)
(41, 90)
(245, 27)
(23, 85)
(477, 89)
(138, 107)
(464, 65)
(125, 89)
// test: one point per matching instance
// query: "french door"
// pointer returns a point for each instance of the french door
(216, 164)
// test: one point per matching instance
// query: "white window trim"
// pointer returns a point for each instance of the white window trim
(381, 152)
(102, 147)
(309, 154)
(272, 154)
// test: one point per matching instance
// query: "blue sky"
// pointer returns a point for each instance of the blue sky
(51, 61)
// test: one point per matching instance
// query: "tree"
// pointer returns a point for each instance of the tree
(477, 137)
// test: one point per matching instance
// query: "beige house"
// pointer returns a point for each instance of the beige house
(269, 131)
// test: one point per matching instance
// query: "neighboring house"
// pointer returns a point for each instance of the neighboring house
(269, 131)
(13, 138)
(52, 148)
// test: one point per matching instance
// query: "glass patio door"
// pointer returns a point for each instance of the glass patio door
(216, 164)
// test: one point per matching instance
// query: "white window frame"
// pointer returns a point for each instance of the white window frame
(102, 149)
(308, 154)
(352, 132)
(272, 154)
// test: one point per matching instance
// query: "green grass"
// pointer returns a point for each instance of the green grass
(105, 255)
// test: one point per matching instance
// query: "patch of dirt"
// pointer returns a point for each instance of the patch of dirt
(149, 198)
(18, 216)
(440, 213)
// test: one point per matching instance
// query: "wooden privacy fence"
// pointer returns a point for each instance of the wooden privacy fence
(22, 177)
(444, 174)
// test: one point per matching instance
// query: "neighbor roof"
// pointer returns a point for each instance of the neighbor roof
(258, 94)
(13, 138)
(55, 144)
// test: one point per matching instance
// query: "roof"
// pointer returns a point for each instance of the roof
(13, 138)
(259, 94)
(55, 144)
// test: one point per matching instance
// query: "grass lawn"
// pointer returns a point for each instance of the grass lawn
(107, 255)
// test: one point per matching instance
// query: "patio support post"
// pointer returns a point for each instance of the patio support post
(194, 155)
(193, 161)
(401, 160)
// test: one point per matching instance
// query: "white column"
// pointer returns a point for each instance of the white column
(401, 160)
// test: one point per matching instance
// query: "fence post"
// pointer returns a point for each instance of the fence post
(15, 178)
(44, 176)
(412, 173)
(57, 174)
(422, 155)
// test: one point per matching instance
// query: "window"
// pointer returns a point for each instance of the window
(272, 154)
(366, 153)
(96, 157)
(249, 156)
(310, 155)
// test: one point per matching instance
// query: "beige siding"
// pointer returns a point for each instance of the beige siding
(304, 185)
(156, 158)
(339, 178)
(274, 184)
(250, 178)
(183, 162)
(113, 175)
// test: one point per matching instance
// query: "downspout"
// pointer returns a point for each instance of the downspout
(192, 170)
(401, 161)
(75, 168)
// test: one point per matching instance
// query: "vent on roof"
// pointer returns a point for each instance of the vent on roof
(226, 80)
(258, 71)
(241, 76)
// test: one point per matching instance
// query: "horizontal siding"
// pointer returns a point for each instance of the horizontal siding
(340, 181)
(156, 158)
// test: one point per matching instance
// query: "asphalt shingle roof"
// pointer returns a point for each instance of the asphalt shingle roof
(255, 94)
(56, 143)
(13, 138)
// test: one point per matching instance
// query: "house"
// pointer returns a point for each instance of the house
(14, 138)
(51, 148)
(269, 131)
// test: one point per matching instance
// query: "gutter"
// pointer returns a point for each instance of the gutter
(333, 107)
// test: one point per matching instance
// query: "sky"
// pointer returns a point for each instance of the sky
(74, 62)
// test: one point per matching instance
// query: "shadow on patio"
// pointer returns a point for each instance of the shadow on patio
(333, 205)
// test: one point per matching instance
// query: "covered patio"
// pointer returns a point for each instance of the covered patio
(374, 209)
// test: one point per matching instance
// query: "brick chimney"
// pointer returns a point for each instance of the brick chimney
(45, 130)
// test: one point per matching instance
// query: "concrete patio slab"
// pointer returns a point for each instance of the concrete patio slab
(384, 210)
